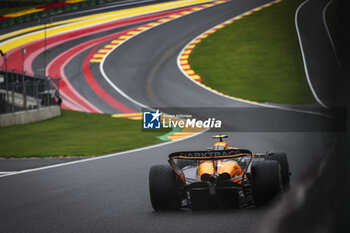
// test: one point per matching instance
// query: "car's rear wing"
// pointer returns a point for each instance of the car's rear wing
(210, 154)
(207, 155)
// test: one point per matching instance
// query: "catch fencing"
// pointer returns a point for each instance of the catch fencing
(19, 92)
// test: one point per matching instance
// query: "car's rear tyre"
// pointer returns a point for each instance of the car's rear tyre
(283, 161)
(164, 189)
(266, 181)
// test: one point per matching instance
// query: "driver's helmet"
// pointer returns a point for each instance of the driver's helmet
(220, 146)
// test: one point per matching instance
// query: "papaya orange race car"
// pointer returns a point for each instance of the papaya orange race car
(220, 177)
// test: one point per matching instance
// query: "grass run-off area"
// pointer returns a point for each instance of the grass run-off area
(75, 134)
(256, 58)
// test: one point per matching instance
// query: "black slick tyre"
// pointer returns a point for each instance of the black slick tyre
(266, 181)
(283, 161)
(163, 187)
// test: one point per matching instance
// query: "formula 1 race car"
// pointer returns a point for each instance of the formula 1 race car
(221, 177)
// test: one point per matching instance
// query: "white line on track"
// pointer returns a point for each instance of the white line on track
(178, 64)
(329, 34)
(170, 4)
(303, 55)
(237, 99)
(104, 59)
(99, 157)
(6, 174)
(109, 155)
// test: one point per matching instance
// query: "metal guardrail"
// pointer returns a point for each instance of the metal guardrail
(19, 92)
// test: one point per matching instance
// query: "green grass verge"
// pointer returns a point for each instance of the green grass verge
(256, 58)
(75, 134)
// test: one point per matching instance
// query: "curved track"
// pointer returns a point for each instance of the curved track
(111, 194)
(318, 52)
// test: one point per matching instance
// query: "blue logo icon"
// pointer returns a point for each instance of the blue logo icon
(151, 120)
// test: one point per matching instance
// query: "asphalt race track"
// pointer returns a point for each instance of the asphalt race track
(321, 60)
(111, 194)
